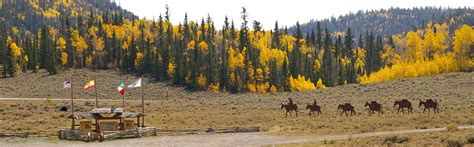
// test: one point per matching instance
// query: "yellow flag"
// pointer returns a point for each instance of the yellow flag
(89, 85)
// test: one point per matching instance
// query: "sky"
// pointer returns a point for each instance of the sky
(287, 12)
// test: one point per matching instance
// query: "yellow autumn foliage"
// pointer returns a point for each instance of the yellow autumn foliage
(64, 58)
(61, 43)
(214, 87)
(202, 80)
(16, 51)
(406, 69)
(463, 43)
(273, 89)
(139, 59)
(203, 46)
(51, 13)
(236, 59)
(320, 84)
(88, 60)
(263, 87)
(414, 51)
(191, 44)
(171, 69)
(78, 42)
(252, 87)
(300, 83)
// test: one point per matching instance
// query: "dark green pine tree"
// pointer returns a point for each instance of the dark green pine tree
(3, 46)
(132, 55)
(369, 47)
(286, 75)
(296, 63)
(378, 48)
(349, 52)
(179, 73)
(9, 63)
(327, 60)
(44, 46)
(339, 67)
(319, 36)
(276, 36)
(224, 68)
(34, 54)
(168, 45)
(51, 58)
(244, 43)
(4, 54)
(158, 73)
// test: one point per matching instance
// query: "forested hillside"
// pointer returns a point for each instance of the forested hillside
(393, 21)
(59, 35)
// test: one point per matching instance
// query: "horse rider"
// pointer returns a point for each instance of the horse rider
(290, 102)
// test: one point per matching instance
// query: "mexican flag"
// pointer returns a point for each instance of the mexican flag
(89, 85)
(121, 88)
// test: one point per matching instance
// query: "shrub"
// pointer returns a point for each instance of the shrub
(470, 139)
(454, 143)
(396, 139)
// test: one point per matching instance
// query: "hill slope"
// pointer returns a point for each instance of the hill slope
(42, 85)
(31, 15)
(393, 21)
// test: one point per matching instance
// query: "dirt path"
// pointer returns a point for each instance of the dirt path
(45, 99)
(230, 139)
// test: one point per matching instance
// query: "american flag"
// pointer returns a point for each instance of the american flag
(67, 84)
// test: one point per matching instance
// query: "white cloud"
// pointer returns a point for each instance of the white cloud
(287, 12)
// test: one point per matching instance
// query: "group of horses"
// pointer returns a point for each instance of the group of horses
(373, 106)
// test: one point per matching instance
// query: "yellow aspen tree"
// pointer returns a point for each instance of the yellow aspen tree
(414, 49)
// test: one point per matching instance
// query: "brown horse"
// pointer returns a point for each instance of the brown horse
(346, 107)
(289, 108)
(404, 103)
(429, 104)
(374, 107)
(314, 108)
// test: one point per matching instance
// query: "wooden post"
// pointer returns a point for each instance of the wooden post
(143, 104)
(138, 121)
(95, 88)
(72, 105)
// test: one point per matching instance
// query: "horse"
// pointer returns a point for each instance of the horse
(290, 108)
(346, 107)
(314, 108)
(429, 104)
(374, 107)
(404, 103)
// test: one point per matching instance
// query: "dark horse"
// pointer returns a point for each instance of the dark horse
(346, 107)
(289, 108)
(374, 107)
(429, 104)
(404, 103)
(314, 108)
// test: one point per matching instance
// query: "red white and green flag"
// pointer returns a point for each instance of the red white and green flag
(121, 88)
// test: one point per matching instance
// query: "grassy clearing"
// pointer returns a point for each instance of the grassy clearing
(175, 109)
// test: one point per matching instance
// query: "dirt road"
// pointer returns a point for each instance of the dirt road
(229, 139)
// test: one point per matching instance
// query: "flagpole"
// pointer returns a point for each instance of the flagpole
(123, 101)
(95, 88)
(72, 104)
(143, 104)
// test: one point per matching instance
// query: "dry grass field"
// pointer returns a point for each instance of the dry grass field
(173, 108)
(445, 138)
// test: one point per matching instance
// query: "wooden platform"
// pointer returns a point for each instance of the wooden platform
(68, 134)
